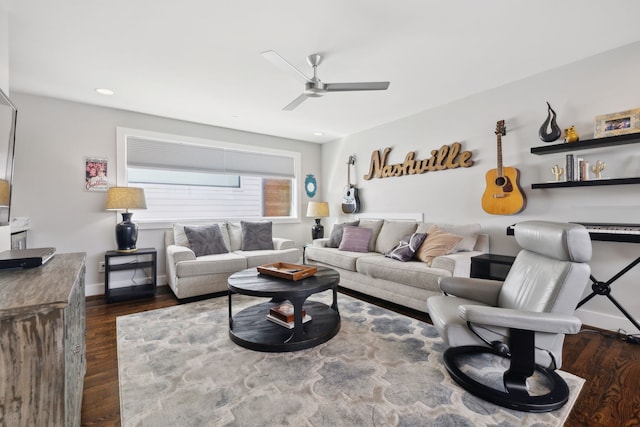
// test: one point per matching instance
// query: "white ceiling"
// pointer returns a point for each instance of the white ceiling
(199, 60)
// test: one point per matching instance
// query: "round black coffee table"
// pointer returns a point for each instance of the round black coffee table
(250, 327)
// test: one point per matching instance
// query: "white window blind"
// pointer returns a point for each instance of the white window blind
(192, 179)
(143, 153)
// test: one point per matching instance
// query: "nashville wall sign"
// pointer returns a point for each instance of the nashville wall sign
(447, 157)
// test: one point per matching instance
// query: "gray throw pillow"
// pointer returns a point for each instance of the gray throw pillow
(336, 233)
(256, 235)
(406, 249)
(205, 239)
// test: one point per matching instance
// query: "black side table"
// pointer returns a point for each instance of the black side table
(491, 266)
(142, 258)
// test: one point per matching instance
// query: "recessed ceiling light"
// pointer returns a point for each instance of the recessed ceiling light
(318, 133)
(103, 91)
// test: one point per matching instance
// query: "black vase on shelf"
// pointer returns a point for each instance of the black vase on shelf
(549, 131)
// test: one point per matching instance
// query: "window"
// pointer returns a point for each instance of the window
(192, 179)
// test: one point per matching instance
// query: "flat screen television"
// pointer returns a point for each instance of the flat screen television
(8, 120)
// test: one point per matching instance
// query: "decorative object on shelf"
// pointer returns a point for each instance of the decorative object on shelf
(557, 172)
(598, 168)
(549, 131)
(119, 198)
(310, 185)
(620, 123)
(502, 195)
(317, 210)
(570, 134)
(447, 157)
(350, 199)
(95, 178)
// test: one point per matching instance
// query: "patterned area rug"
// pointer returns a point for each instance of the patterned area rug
(178, 367)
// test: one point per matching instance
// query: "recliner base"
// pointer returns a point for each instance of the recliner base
(516, 397)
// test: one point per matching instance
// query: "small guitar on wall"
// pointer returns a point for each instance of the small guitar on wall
(350, 200)
(502, 195)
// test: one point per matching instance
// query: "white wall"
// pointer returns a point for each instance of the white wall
(599, 85)
(4, 47)
(54, 137)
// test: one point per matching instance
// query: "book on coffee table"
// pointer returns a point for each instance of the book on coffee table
(284, 312)
(288, 325)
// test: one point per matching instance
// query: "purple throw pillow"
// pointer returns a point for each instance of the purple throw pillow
(407, 247)
(355, 239)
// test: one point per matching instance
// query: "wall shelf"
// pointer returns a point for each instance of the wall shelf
(588, 183)
(609, 141)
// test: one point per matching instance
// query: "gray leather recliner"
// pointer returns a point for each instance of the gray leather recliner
(523, 318)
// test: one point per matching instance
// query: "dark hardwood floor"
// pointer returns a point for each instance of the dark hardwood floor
(611, 367)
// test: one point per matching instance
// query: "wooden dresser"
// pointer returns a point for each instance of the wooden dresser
(42, 343)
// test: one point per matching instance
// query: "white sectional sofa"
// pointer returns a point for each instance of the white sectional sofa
(189, 275)
(407, 283)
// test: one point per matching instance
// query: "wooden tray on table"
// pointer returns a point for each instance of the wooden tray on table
(288, 271)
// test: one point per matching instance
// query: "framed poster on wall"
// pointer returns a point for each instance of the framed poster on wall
(95, 174)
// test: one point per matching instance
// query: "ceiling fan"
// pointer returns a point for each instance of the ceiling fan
(314, 87)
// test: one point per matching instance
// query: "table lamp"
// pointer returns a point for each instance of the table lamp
(317, 210)
(119, 198)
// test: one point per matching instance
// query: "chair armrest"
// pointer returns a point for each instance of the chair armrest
(555, 323)
(321, 243)
(482, 290)
(458, 263)
(281, 244)
(178, 253)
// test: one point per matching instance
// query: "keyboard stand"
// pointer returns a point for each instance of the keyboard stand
(604, 288)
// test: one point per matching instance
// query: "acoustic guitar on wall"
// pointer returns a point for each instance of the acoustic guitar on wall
(350, 199)
(502, 195)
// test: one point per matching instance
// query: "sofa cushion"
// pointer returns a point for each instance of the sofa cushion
(469, 232)
(391, 233)
(334, 257)
(211, 264)
(336, 234)
(413, 273)
(437, 243)
(235, 236)
(180, 238)
(261, 257)
(406, 249)
(375, 225)
(205, 239)
(256, 236)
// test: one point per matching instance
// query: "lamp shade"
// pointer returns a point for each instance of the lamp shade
(125, 198)
(318, 209)
(5, 193)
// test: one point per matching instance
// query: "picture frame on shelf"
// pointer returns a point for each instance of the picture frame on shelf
(621, 123)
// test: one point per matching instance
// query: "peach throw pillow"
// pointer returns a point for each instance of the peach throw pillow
(437, 243)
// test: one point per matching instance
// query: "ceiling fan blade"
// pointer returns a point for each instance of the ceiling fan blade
(342, 87)
(282, 63)
(293, 104)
